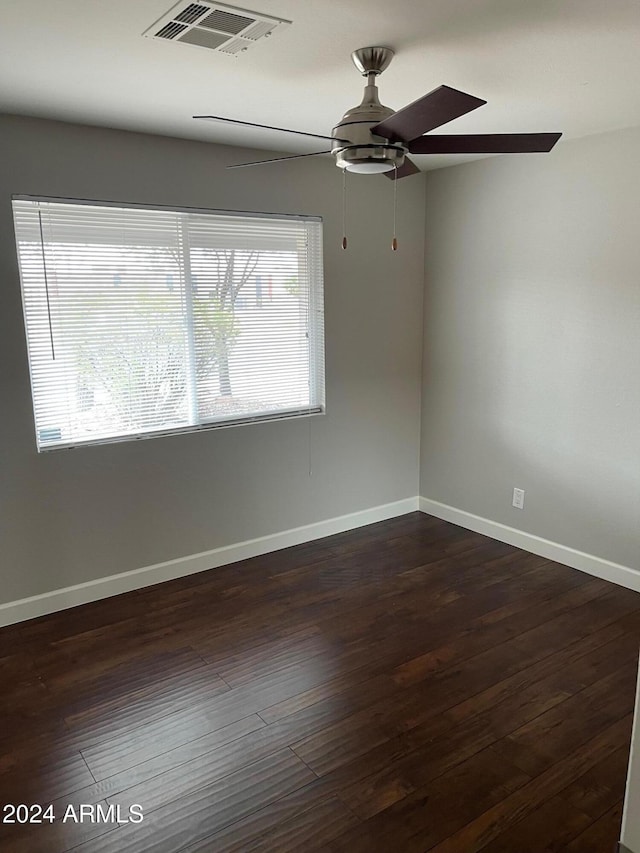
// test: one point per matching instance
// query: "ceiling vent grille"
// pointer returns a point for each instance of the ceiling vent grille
(213, 26)
(192, 13)
(233, 46)
(171, 30)
(225, 22)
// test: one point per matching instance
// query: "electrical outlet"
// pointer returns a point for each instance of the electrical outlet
(518, 498)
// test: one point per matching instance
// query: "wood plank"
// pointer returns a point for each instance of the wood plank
(550, 828)
(602, 787)
(171, 759)
(47, 777)
(499, 818)
(435, 811)
(263, 822)
(309, 830)
(602, 836)
(561, 730)
(115, 716)
(202, 812)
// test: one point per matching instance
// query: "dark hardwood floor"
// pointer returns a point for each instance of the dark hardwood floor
(408, 686)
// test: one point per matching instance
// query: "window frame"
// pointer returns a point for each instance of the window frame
(315, 328)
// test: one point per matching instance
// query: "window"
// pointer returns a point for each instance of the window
(147, 321)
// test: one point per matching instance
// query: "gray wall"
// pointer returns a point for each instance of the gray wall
(72, 516)
(531, 371)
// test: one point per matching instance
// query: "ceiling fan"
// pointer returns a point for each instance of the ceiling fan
(371, 138)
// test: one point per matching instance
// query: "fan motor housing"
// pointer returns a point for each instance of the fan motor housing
(363, 148)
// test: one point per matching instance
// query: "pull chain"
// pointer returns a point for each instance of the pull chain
(46, 285)
(344, 208)
(394, 242)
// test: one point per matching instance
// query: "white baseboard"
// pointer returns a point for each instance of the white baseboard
(608, 571)
(61, 599)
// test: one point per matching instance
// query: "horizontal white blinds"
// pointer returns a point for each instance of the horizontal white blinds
(143, 321)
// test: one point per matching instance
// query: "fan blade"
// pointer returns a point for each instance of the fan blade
(269, 127)
(277, 159)
(485, 143)
(431, 111)
(407, 168)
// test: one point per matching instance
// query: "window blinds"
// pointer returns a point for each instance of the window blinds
(144, 321)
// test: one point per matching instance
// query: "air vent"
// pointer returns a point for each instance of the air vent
(203, 38)
(226, 22)
(213, 26)
(171, 30)
(234, 46)
(260, 29)
(192, 13)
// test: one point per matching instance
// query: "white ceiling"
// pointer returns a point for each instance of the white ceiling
(542, 65)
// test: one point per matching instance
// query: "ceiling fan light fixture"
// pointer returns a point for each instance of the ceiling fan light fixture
(369, 159)
(369, 167)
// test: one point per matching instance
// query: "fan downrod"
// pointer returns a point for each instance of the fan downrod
(372, 60)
